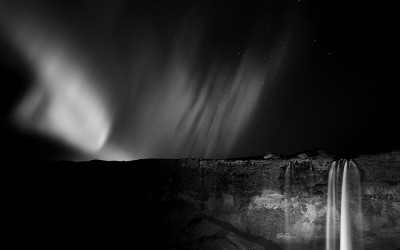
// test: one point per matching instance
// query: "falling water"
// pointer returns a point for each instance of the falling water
(345, 232)
(292, 178)
(355, 206)
(287, 190)
(289, 173)
(350, 208)
(331, 210)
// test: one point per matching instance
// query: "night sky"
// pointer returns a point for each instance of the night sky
(121, 80)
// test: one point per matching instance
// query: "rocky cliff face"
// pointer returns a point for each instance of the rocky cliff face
(213, 204)
(245, 204)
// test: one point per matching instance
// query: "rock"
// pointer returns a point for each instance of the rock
(270, 156)
(232, 204)
(302, 156)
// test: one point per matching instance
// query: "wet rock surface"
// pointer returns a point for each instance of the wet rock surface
(206, 204)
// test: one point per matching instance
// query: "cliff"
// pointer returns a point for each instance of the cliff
(205, 204)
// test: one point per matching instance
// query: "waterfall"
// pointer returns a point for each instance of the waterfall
(331, 210)
(345, 232)
(350, 208)
(355, 206)
(289, 177)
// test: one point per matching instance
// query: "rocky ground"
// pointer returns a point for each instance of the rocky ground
(201, 204)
